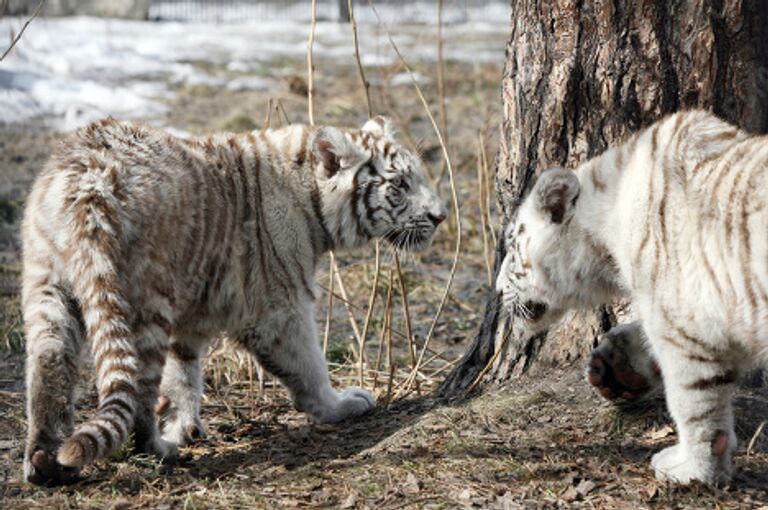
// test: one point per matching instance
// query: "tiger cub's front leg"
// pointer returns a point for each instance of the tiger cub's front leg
(699, 384)
(285, 343)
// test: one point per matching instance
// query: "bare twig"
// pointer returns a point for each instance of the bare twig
(23, 28)
(366, 85)
(454, 196)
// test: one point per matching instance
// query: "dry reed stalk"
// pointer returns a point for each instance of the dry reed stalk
(311, 115)
(366, 85)
(407, 316)
(490, 363)
(488, 190)
(385, 327)
(23, 28)
(754, 438)
(481, 202)
(388, 396)
(359, 308)
(329, 314)
(268, 115)
(311, 66)
(279, 106)
(366, 88)
(249, 362)
(369, 313)
(402, 124)
(454, 196)
(441, 112)
(345, 298)
(445, 367)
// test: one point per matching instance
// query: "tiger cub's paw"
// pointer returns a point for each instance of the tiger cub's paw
(42, 468)
(621, 368)
(177, 427)
(350, 403)
(675, 465)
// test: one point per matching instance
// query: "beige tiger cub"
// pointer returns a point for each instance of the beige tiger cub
(675, 219)
(144, 247)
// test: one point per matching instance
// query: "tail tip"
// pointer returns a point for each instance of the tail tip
(72, 453)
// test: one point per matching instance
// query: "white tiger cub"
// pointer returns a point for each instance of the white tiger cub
(675, 219)
(144, 247)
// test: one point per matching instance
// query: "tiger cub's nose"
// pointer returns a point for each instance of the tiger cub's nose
(436, 219)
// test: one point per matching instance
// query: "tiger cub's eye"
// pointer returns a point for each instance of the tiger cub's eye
(400, 183)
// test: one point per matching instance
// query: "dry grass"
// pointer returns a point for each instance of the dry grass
(546, 441)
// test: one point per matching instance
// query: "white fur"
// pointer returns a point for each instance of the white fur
(662, 220)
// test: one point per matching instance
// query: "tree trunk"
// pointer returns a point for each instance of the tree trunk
(344, 11)
(580, 76)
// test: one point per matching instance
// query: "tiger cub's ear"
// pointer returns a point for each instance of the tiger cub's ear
(380, 126)
(335, 151)
(556, 193)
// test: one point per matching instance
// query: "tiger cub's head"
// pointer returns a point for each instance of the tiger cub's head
(551, 263)
(373, 188)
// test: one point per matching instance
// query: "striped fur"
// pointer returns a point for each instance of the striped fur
(144, 247)
(676, 220)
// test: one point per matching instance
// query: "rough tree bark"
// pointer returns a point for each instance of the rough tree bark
(580, 76)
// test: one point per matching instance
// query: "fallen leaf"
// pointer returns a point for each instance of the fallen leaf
(411, 485)
(350, 502)
(465, 496)
(570, 494)
(585, 487)
(661, 433)
(652, 489)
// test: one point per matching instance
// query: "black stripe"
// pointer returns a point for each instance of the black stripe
(106, 435)
(728, 377)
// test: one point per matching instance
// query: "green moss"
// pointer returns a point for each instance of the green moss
(339, 353)
(8, 210)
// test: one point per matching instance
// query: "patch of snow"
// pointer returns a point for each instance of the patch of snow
(402, 79)
(71, 71)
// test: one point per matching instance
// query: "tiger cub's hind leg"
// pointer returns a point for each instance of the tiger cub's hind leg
(54, 337)
(181, 390)
(153, 343)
